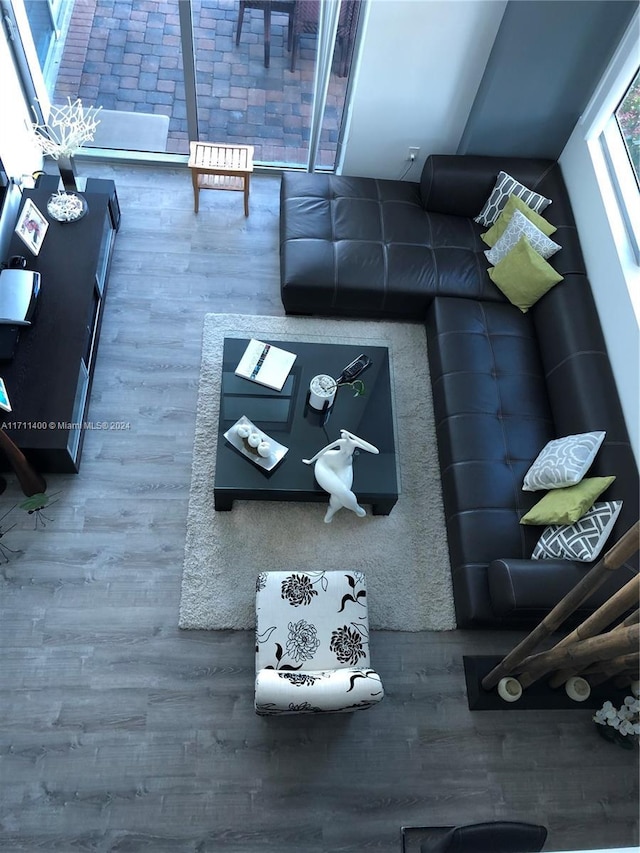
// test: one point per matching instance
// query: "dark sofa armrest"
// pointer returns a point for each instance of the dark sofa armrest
(518, 586)
(460, 185)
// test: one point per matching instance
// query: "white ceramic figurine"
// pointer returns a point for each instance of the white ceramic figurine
(334, 472)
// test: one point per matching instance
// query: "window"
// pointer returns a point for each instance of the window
(611, 123)
(619, 140)
(628, 121)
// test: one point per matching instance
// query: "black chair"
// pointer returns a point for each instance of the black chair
(491, 837)
(305, 22)
(285, 7)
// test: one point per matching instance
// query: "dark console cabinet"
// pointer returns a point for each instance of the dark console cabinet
(49, 378)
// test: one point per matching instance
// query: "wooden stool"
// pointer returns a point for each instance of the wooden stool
(220, 167)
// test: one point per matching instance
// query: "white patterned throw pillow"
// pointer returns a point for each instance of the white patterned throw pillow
(504, 187)
(563, 462)
(519, 226)
(583, 540)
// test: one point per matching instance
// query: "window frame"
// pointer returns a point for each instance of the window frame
(609, 154)
(623, 182)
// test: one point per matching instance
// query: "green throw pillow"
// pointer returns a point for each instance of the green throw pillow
(523, 275)
(496, 231)
(566, 506)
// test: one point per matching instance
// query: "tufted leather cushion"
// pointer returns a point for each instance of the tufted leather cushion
(582, 390)
(492, 418)
(459, 186)
(492, 375)
(520, 590)
(366, 247)
(380, 248)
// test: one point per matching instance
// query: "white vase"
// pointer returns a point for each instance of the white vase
(67, 169)
(322, 391)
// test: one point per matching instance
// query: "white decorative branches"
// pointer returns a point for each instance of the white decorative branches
(67, 129)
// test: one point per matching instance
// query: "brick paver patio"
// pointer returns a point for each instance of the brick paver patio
(126, 55)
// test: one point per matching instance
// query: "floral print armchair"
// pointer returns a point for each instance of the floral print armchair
(312, 643)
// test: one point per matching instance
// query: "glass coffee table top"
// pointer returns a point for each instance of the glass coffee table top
(288, 419)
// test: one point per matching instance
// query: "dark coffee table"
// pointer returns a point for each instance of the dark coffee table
(287, 418)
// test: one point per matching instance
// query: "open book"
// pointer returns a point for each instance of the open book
(265, 364)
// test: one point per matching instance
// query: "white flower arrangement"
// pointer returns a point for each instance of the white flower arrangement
(65, 207)
(624, 720)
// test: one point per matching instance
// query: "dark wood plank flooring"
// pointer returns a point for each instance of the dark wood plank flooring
(122, 733)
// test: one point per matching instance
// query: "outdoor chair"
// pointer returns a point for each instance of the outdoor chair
(492, 837)
(312, 643)
(267, 6)
(306, 16)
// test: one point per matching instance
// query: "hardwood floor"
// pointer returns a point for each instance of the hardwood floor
(122, 733)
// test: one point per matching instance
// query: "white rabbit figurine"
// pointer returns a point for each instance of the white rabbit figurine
(334, 472)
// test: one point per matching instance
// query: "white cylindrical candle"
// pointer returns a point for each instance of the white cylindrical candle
(577, 688)
(509, 689)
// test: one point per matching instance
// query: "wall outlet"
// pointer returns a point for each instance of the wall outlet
(413, 154)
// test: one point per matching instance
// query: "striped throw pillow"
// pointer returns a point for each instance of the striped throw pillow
(505, 187)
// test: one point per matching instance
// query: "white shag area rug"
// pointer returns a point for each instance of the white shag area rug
(404, 554)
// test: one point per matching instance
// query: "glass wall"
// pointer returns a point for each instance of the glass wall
(252, 82)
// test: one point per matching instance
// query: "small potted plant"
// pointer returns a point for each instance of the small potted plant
(323, 388)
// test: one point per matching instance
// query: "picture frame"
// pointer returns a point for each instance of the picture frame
(31, 226)
(4, 397)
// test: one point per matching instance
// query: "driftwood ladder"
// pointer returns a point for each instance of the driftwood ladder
(602, 650)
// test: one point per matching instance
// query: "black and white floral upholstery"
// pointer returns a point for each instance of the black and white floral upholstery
(312, 643)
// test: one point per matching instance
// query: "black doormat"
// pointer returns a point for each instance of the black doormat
(538, 697)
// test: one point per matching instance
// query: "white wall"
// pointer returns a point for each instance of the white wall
(613, 273)
(608, 282)
(19, 154)
(418, 73)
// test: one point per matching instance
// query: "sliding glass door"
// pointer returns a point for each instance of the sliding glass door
(275, 73)
(271, 74)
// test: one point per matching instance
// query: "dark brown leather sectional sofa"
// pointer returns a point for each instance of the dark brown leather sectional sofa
(504, 382)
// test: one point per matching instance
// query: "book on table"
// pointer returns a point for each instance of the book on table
(265, 364)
